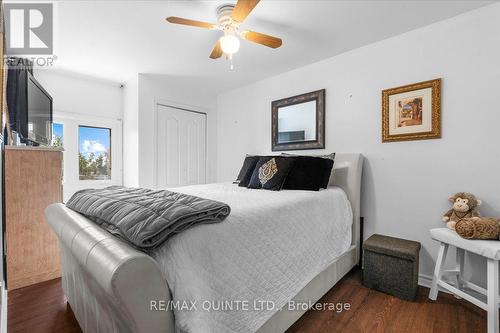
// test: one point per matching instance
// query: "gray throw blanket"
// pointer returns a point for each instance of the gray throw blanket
(145, 218)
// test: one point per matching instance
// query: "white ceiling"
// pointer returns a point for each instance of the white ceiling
(118, 39)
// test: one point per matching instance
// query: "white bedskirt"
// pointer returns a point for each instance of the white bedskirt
(233, 276)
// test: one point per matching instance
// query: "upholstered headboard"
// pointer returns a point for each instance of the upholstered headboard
(347, 172)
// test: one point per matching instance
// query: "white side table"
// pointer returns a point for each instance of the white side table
(490, 249)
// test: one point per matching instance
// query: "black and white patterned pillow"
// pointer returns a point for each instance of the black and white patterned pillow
(270, 172)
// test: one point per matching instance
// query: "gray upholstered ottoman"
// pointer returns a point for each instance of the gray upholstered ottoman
(390, 265)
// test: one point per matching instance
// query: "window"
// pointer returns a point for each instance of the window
(94, 153)
(57, 135)
(58, 139)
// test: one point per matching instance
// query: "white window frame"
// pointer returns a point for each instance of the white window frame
(71, 123)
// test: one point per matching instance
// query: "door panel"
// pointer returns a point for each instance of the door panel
(180, 147)
(172, 152)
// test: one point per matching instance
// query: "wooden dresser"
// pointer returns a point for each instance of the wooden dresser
(33, 180)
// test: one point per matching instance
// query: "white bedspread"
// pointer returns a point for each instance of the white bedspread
(271, 245)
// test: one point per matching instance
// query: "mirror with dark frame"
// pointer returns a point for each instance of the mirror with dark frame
(298, 122)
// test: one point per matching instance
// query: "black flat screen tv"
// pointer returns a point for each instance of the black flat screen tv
(38, 113)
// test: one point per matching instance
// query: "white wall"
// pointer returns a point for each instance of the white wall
(82, 100)
(189, 93)
(73, 93)
(131, 132)
(405, 184)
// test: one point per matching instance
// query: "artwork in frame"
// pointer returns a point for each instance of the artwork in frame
(412, 112)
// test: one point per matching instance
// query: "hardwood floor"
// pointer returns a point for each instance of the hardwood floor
(373, 311)
(42, 308)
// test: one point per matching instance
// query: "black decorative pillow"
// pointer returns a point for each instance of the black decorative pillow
(247, 170)
(270, 172)
(309, 173)
(331, 156)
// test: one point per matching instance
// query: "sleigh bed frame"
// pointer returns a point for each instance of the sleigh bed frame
(109, 285)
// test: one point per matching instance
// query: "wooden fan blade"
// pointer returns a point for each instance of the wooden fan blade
(199, 24)
(217, 51)
(242, 9)
(262, 39)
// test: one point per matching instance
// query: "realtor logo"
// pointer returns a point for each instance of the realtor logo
(28, 28)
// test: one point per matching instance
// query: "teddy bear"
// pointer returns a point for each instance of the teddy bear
(464, 206)
(478, 228)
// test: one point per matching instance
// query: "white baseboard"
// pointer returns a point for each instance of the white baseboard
(426, 281)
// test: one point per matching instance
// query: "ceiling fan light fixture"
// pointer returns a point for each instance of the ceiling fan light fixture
(229, 18)
(229, 44)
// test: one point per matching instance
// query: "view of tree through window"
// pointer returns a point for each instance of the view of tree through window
(94, 153)
(57, 135)
(58, 138)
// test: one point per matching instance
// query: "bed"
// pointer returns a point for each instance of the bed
(112, 287)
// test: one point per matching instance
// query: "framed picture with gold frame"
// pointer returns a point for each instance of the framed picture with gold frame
(412, 112)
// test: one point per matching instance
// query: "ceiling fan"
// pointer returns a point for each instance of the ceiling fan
(229, 18)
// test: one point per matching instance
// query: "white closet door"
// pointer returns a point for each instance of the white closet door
(180, 147)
